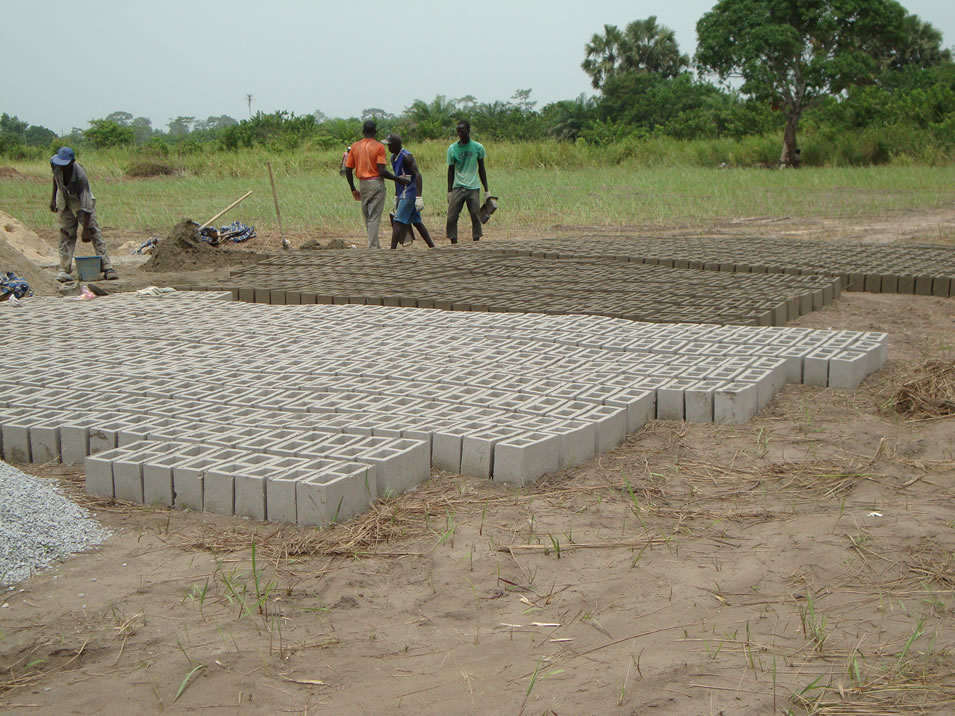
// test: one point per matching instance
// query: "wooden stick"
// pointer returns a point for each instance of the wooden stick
(233, 204)
(275, 198)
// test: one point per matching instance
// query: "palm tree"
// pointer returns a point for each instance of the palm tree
(643, 46)
(649, 47)
(603, 55)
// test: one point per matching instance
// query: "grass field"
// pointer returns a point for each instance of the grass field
(537, 193)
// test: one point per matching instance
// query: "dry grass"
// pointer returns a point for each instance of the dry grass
(930, 393)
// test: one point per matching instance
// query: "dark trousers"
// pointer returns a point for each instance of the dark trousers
(459, 197)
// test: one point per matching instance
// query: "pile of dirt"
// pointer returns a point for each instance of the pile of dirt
(11, 173)
(39, 280)
(315, 245)
(26, 242)
(183, 250)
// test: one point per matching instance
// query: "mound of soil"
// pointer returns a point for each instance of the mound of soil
(314, 245)
(182, 250)
(11, 173)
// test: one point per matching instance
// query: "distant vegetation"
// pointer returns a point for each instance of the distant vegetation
(863, 81)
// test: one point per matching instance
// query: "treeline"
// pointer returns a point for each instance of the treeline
(862, 88)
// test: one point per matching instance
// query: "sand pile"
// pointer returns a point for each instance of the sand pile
(182, 250)
(21, 251)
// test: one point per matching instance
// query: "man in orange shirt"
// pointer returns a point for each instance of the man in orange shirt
(367, 160)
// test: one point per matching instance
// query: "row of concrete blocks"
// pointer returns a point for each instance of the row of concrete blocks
(885, 269)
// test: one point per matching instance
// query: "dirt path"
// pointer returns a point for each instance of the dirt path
(801, 561)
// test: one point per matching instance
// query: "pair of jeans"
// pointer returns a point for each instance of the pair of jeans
(459, 197)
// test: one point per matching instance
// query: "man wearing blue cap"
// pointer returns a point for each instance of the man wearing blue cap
(76, 205)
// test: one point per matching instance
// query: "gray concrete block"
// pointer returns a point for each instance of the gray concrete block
(99, 472)
(698, 400)
(578, 440)
(400, 467)
(521, 459)
(641, 406)
(611, 427)
(847, 369)
(335, 494)
(45, 442)
(16, 440)
(735, 403)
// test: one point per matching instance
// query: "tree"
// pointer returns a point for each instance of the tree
(104, 133)
(565, 119)
(376, 113)
(37, 136)
(643, 46)
(603, 53)
(522, 100)
(319, 116)
(142, 129)
(792, 52)
(121, 118)
(432, 120)
(181, 126)
(12, 128)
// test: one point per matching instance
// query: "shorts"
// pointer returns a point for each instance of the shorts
(405, 213)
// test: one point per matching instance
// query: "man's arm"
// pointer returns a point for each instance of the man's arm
(53, 198)
(383, 172)
(415, 174)
(483, 174)
(350, 176)
(450, 177)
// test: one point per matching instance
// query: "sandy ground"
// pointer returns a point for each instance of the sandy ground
(803, 562)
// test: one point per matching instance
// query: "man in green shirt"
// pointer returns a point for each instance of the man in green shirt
(465, 167)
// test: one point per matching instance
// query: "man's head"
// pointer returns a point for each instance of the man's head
(393, 142)
(369, 128)
(464, 131)
(63, 157)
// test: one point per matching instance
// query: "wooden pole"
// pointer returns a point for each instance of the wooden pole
(278, 214)
(230, 206)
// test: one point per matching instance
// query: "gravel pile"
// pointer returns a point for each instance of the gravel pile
(39, 526)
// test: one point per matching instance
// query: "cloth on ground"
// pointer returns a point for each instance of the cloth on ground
(13, 285)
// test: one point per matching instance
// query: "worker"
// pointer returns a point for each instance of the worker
(367, 160)
(408, 199)
(465, 167)
(74, 202)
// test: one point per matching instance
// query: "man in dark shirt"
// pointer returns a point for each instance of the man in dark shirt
(75, 204)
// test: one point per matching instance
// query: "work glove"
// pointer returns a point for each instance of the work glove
(419, 203)
(356, 194)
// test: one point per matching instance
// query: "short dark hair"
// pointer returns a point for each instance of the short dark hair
(465, 123)
(369, 127)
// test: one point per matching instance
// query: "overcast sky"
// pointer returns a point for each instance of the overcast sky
(65, 63)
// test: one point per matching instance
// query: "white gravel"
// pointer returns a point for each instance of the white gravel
(39, 526)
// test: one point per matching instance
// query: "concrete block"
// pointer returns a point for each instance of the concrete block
(735, 403)
(671, 401)
(45, 442)
(641, 406)
(335, 494)
(280, 490)
(611, 427)
(187, 475)
(815, 370)
(157, 473)
(578, 439)
(400, 467)
(250, 494)
(16, 440)
(99, 473)
(698, 400)
(847, 369)
(521, 459)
